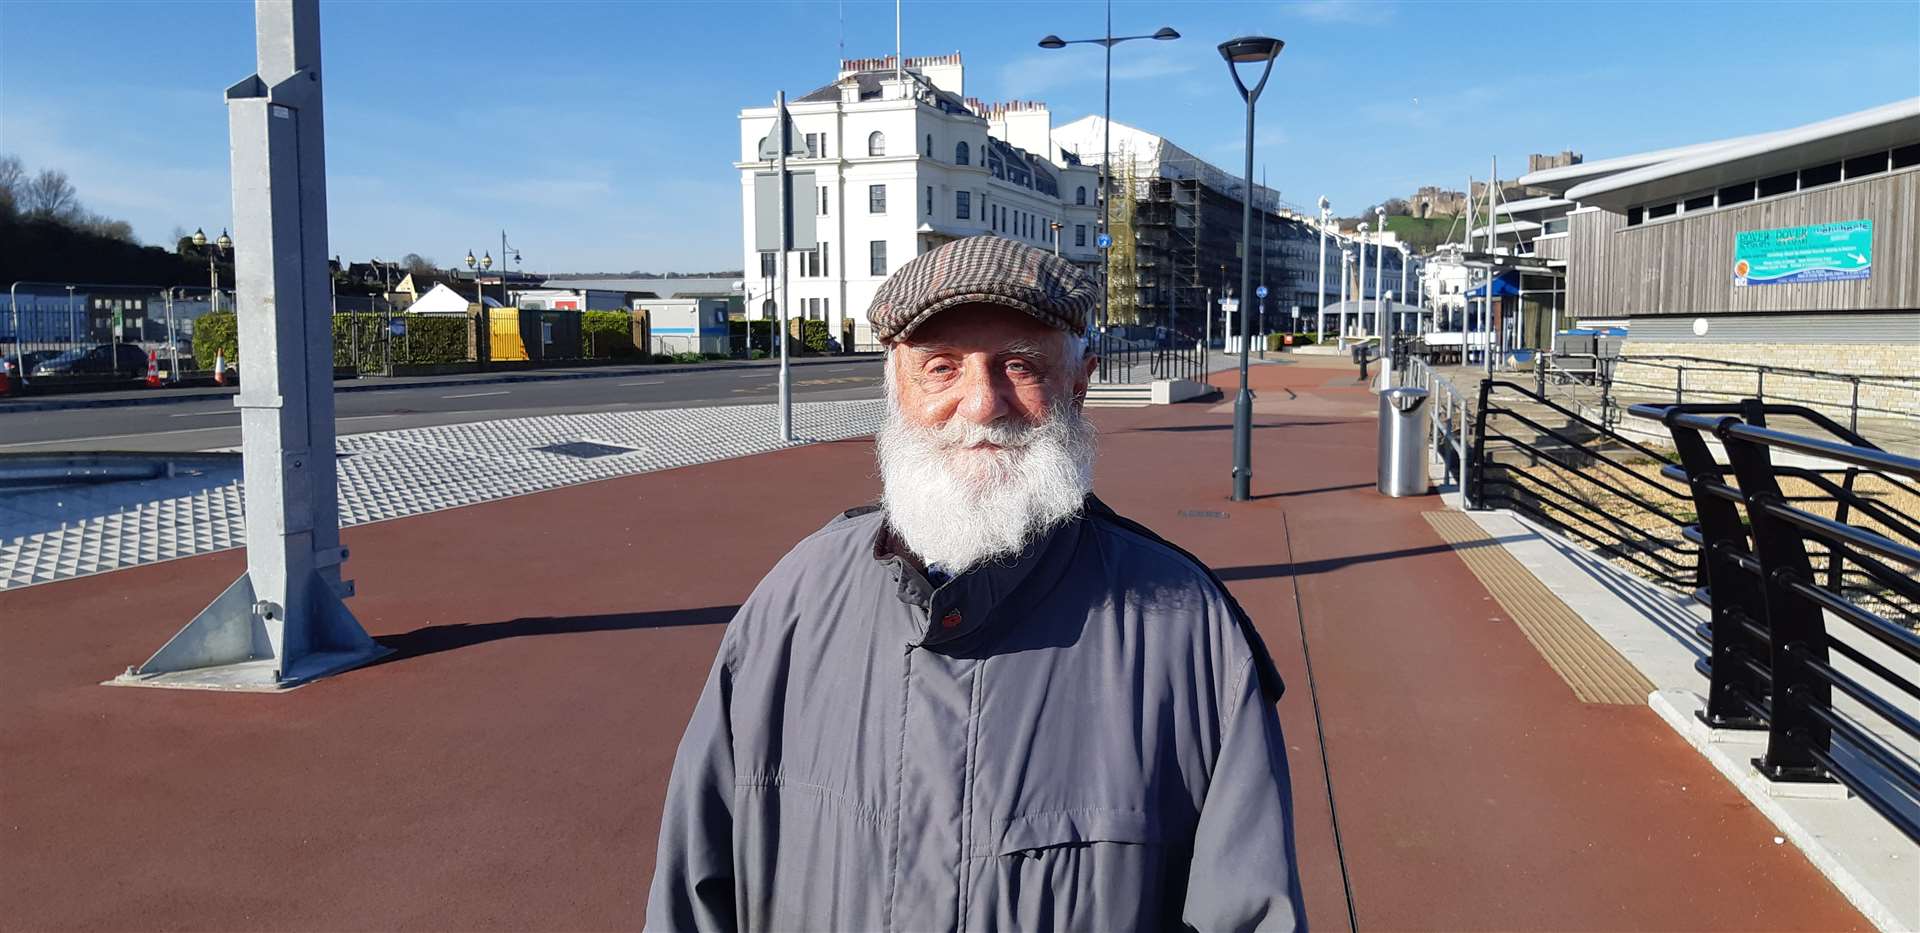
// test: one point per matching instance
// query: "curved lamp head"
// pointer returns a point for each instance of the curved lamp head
(1324, 203)
(199, 237)
(471, 262)
(1380, 212)
(225, 242)
(1166, 32)
(486, 261)
(1249, 49)
(1363, 226)
(1053, 42)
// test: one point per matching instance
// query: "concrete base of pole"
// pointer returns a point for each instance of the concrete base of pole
(238, 643)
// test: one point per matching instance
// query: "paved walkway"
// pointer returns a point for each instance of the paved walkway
(505, 768)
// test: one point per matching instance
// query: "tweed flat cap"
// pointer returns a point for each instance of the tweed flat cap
(983, 270)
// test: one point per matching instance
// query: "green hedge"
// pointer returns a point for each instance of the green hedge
(606, 334)
(214, 333)
(814, 336)
(429, 339)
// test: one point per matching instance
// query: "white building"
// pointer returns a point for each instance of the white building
(903, 161)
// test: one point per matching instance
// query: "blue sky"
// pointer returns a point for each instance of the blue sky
(600, 134)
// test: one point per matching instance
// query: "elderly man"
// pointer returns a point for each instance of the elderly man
(988, 702)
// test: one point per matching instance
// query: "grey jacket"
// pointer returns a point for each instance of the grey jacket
(1081, 739)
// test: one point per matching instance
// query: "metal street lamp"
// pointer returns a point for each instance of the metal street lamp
(1320, 323)
(221, 246)
(1053, 227)
(1346, 264)
(482, 325)
(1164, 33)
(1247, 50)
(1360, 290)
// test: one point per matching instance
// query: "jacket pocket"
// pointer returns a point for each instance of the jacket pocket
(1035, 832)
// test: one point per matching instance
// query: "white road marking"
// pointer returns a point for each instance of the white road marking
(205, 414)
(477, 394)
(645, 382)
(752, 376)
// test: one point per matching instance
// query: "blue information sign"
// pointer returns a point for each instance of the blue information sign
(1103, 241)
(1260, 292)
(397, 328)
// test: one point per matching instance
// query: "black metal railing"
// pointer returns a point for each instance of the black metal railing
(1581, 477)
(1887, 406)
(1789, 637)
(1172, 355)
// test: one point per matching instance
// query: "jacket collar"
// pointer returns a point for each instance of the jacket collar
(965, 605)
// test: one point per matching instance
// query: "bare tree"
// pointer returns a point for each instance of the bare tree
(418, 264)
(49, 195)
(13, 176)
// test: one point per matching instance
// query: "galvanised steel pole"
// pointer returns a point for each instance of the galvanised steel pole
(1320, 322)
(1106, 183)
(1235, 51)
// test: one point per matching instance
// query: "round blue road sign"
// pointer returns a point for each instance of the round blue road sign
(1260, 292)
(1103, 241)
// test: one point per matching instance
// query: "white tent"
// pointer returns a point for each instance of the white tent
(443, 300)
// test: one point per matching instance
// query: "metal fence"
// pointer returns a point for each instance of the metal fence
(1884, 407)
(1803, 651)
(77, 333)
(1172, 355)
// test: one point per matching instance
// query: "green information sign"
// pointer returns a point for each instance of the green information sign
(1790, 255)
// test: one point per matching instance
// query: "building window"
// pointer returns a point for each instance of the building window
(813, 145)
(960, 153)
(1867, 165)
(768, 266)
(929, 145)
(1661, 210)
(1700, 203)
(1634, 215)
(1778, 184)
(929, 202)
(963, 205)
(823, 200)
(877, 260)
(1820, 175)
(823, 259)
(876, 199)
(1906, 156)
(876, 143)
(1734, 194)
(1079, 234)
(1080, 195)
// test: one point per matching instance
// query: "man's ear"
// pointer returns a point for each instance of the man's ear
(1083, 379)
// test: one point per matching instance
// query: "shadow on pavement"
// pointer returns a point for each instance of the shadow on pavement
(437, 638)
(1228, 426)
(1312, 492)
(1310, 567)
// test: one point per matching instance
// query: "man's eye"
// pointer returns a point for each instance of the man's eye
(1019, 366)
(940, 369)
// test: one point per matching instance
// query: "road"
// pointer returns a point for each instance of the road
(214, 423)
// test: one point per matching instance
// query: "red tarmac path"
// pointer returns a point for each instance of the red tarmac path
(505, 771)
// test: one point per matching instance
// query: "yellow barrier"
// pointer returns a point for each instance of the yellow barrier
(503, 330)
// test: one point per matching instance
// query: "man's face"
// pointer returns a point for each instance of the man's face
(985, 447)
(986, 364)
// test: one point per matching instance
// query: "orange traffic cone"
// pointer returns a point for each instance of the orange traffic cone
(153, 369)
(220, 368)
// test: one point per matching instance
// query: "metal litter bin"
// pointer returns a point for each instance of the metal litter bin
(1403, 442)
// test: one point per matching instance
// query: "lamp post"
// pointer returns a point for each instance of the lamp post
(1346, 264)
(1360, 290)
(1164, 33)
(1053, 227)
(221, 246)
(1320, 323)
(1402, 247)
(1246, 50)
(1379, 276)
(483, 324)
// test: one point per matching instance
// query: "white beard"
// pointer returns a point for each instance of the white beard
(957, 506)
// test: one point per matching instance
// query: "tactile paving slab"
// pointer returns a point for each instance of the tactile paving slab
(51, 536)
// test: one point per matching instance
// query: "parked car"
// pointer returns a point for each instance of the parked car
(107, 359)
(23, 365)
